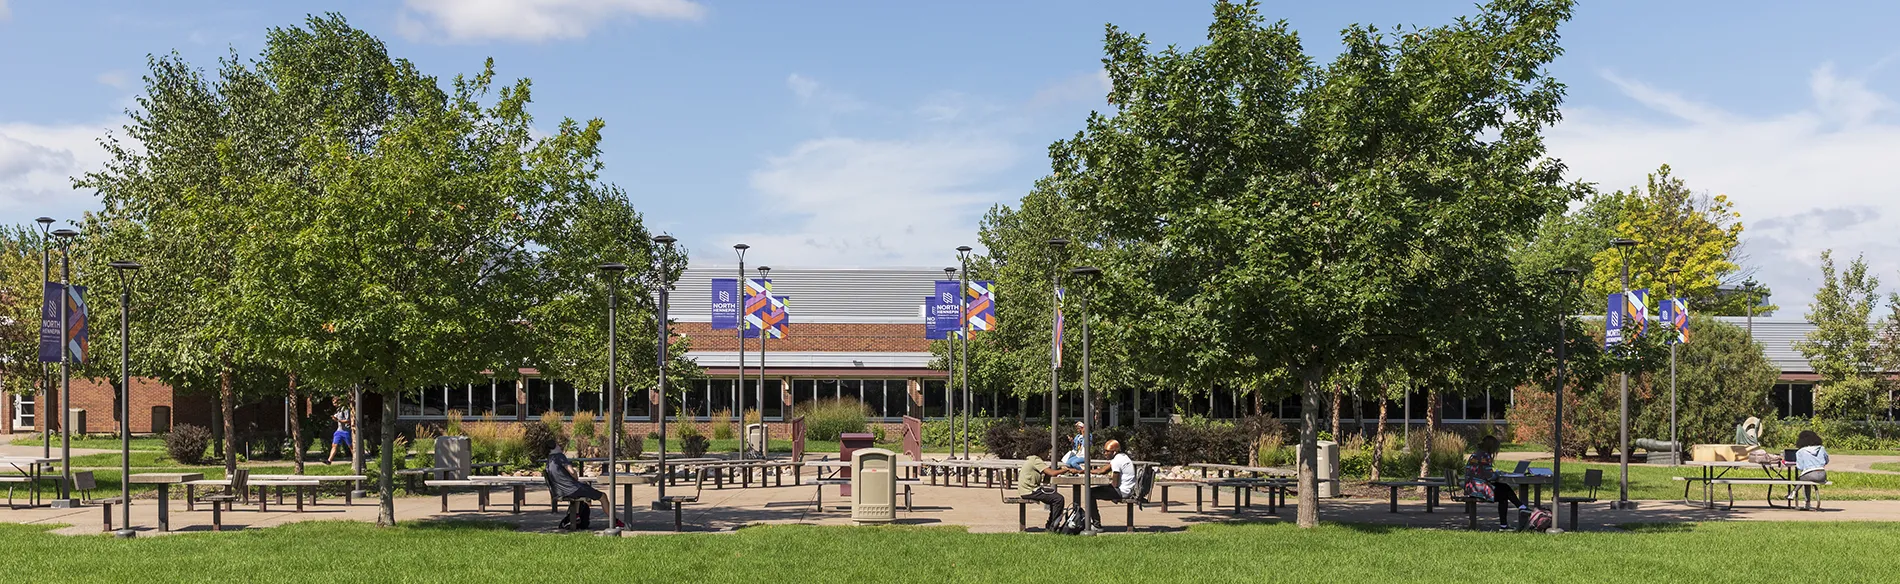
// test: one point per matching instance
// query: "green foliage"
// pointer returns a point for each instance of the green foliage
(722, 424)
(186, 443)
(539, 438)
(1008, 438)
(1675, 229)
(588, 441)
(685, 430)
(826, 419)
(20, 293)
(695, 445)
(1841, 346)
(948, 432)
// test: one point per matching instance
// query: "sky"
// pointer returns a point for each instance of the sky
(865, 134)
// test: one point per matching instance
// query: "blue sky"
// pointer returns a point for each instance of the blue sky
(877, 133)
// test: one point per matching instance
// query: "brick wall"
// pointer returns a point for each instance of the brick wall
(814, 337)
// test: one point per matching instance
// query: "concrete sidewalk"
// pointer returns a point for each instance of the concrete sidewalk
(977, 509)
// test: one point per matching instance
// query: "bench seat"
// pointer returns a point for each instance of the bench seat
(1431, 495)
(1810, 489)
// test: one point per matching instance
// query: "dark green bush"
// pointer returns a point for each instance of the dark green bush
(538, 439)
(695, 446)
(1008, 438)
(186, 443)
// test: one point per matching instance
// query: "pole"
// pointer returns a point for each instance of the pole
(963, 368)
(1623, 409)
(125, 408)
(739, 382)
(65, 378)
(659, 504)
(1055, 370)
(1088, 420)
(40, 421)
(764, 331)
(613, 401)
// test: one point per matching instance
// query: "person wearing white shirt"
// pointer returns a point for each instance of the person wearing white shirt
(1127, 481)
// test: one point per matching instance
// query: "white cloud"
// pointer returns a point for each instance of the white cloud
(820, 97)
(1089, 87)
(1820, 177)
(37, 163)
(531, 20)
(116, 79)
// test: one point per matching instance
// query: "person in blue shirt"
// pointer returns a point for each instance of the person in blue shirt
(1810, 459)
(1078, 457)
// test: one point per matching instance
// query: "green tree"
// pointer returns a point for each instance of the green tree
(1296, 218)
(1721, 375)
(20, 295)
(1676, 229)
(1841, 346)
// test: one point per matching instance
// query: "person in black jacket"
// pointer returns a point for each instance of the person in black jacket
(564, 482)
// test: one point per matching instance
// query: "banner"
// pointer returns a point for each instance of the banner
(725, 303)
(1056, 349)
(1613, 321)
(1636, 313)
(945, 306)
(776, 318)
(932, 330)
(79, 336)
(758, 293)
(981, 310)
(1675, 311)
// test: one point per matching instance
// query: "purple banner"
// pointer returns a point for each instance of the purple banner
(945, 306)
(78, 337)
(49, 322)
(931, 330)
(725, 303)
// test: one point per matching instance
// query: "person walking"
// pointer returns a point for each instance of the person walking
(341, 437)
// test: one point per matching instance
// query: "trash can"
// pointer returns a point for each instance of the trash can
(79, 420)
(874, 482)
(847, 443)
(162, 419)
(1328, 468)
(755, 439)
(452, 453)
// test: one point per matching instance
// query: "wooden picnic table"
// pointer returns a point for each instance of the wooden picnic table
(164, 480)
(1228, 470)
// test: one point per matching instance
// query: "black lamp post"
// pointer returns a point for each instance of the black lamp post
(39, 402)
(1675, 447)
(950, 361)
(1623, 412)
(1055, 341)
(663, 281)
(1087, 274)
(65, 371)
(738, 382)
(613, 272)
(1557, 427)
(126, 271)
(759, 392)
(963, 367)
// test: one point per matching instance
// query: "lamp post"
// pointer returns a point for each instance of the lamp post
(39, 401)
(1623, 412)
(613, 272)
(1055, 346)
(963, 331)
(1557, 427)
(950, 374)
(739, 380)
(764, 331)
(1675, 457)
(126, 270)
(1087, 275)
(663, 281)
(65, 370)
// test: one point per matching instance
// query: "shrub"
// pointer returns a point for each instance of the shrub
(453, 426)
(585, 434)
(945, 432)
(695, 445)
(424, 445)
(1008, 438)
(752, 416)
(686, 430)
(538, 439)
(722, 424)
(630, 444)
(186, 443)
(828, 418)
(878, 435)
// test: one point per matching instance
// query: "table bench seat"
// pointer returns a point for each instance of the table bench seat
(1431, 495)
(1810, 489)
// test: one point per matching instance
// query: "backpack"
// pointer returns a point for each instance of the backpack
(577, 518)
(1145, 484)
(1073, 521)
(1540, 519)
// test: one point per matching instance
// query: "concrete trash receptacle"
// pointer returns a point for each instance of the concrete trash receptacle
(755, 439)
(874, 478)
(453, 453)
(1328, 469)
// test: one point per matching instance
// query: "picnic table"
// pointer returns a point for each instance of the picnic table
(164, 480)
(1716, 472)
(347, 498)
(1535, 481)
(31, 475)
(1210, 470)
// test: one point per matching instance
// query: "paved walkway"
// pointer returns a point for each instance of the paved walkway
(978, 509)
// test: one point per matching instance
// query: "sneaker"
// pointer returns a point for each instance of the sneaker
(1505, 527)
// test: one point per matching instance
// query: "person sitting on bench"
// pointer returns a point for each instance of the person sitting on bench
(1480, 477)
(1030, 486)
(1810, 459)
(1126, 484)
(561, 479)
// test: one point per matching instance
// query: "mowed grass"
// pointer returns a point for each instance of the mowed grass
(1892, 466)
(1657, 482)
(94, 441)
(328, 552)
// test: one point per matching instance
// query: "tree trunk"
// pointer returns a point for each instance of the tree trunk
(1310, 397)
(1337, 402)
(1256, 402)
(1378, 437)
(386, 465)
(356, 429)
(296, 425)
(1431, 431)
(227, 396)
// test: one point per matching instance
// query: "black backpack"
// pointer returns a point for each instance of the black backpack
(1073, 521)
(578, 516)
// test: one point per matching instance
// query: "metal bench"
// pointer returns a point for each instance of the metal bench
(1592, 479)
(1022, 507)
(107, 504)
(237, 488)
(1431, 495)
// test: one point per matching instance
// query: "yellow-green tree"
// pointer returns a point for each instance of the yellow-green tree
(1675, 229)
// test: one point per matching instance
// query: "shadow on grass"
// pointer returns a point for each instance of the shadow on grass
(461, 525)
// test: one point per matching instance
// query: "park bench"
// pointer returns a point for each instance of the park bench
(264, 485)
(237, 487)
(1022, 507)
(1809, 489)
(1198, 486)
(1431, 496)
(106, 504)
(348, 497)
(484, 484)
(1592, 479)
(11, 482)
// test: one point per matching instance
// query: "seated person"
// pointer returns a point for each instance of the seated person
(1810, 459)
(1127, 481)
(1030, 486)
(1077, 458)
(1480, 477)
(561, 476)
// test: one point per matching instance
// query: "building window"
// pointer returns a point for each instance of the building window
(1793, 400)
(935, 396)
(23, 412)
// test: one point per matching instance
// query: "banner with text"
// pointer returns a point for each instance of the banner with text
(945, 308)
(78, 339)
(1613, 321)
(725, 303)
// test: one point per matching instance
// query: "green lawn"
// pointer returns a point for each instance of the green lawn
(1892, 466)
(1655, 482)
(95, 441)
(469, 552)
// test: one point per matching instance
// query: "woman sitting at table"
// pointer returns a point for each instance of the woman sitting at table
(1810, 459)
(1481, 481)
